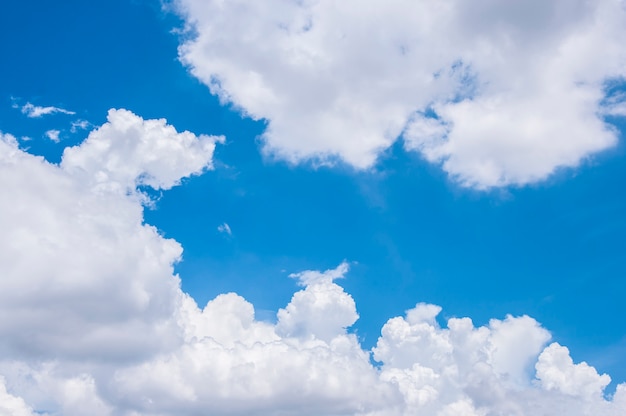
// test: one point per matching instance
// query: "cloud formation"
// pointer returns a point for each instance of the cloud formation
(496, 93)
(93, 320)
(35, 111)
(74, 239)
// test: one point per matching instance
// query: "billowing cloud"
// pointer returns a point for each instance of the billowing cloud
(73, 235)
(497, 93)
(93, 320)
(144, 152)
(35, 111)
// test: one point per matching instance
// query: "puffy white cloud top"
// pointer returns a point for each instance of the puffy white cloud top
(93, 320)
(128, 151)
(498, 93)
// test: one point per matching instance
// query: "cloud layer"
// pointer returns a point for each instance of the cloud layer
(93, 320)
(496, 93)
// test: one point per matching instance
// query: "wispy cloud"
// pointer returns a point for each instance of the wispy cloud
(35, 111)
(615, 105)
(225, 228)
(79, 125)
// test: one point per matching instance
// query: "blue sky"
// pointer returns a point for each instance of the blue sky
(411, 227)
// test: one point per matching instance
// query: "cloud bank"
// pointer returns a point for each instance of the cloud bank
(93, 320)
(497, 93)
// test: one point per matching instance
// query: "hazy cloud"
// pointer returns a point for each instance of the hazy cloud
(78, 125)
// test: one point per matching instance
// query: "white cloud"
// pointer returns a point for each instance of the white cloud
(93, 320)
(76, 256)
(497, 93)
(323, 310)
(144, 152)
(557, 371)
(233, 364)
(35, 111)
(53, 135)
(224, 228)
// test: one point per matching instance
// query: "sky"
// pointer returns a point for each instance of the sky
(312, 207)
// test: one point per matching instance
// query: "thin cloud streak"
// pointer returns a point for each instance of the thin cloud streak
(34, 111)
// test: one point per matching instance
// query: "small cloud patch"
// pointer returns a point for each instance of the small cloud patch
(53, 135)
(224, 228)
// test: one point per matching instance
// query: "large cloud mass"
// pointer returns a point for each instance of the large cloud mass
(496, 92)
(93, 321)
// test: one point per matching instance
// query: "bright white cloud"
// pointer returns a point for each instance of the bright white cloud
(93, 320)
(323, 310)
(143, 152)
(35, 111)
(497, 93)
(557, 371)
(232, 364)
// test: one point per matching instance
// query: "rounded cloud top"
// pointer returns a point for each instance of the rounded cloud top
(497, 93)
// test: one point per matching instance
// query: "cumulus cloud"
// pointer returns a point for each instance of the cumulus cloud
(93, 320)
(35, 111)
(557, 371)
(74, 239)
(233, 364)
(323, 310)
(496, 93)
(144, 152)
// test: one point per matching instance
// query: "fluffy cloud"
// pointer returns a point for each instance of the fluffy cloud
(232, 364)
(497, 93)
(557, 371)
(144, 152)
(93, 320)
(74, 240)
